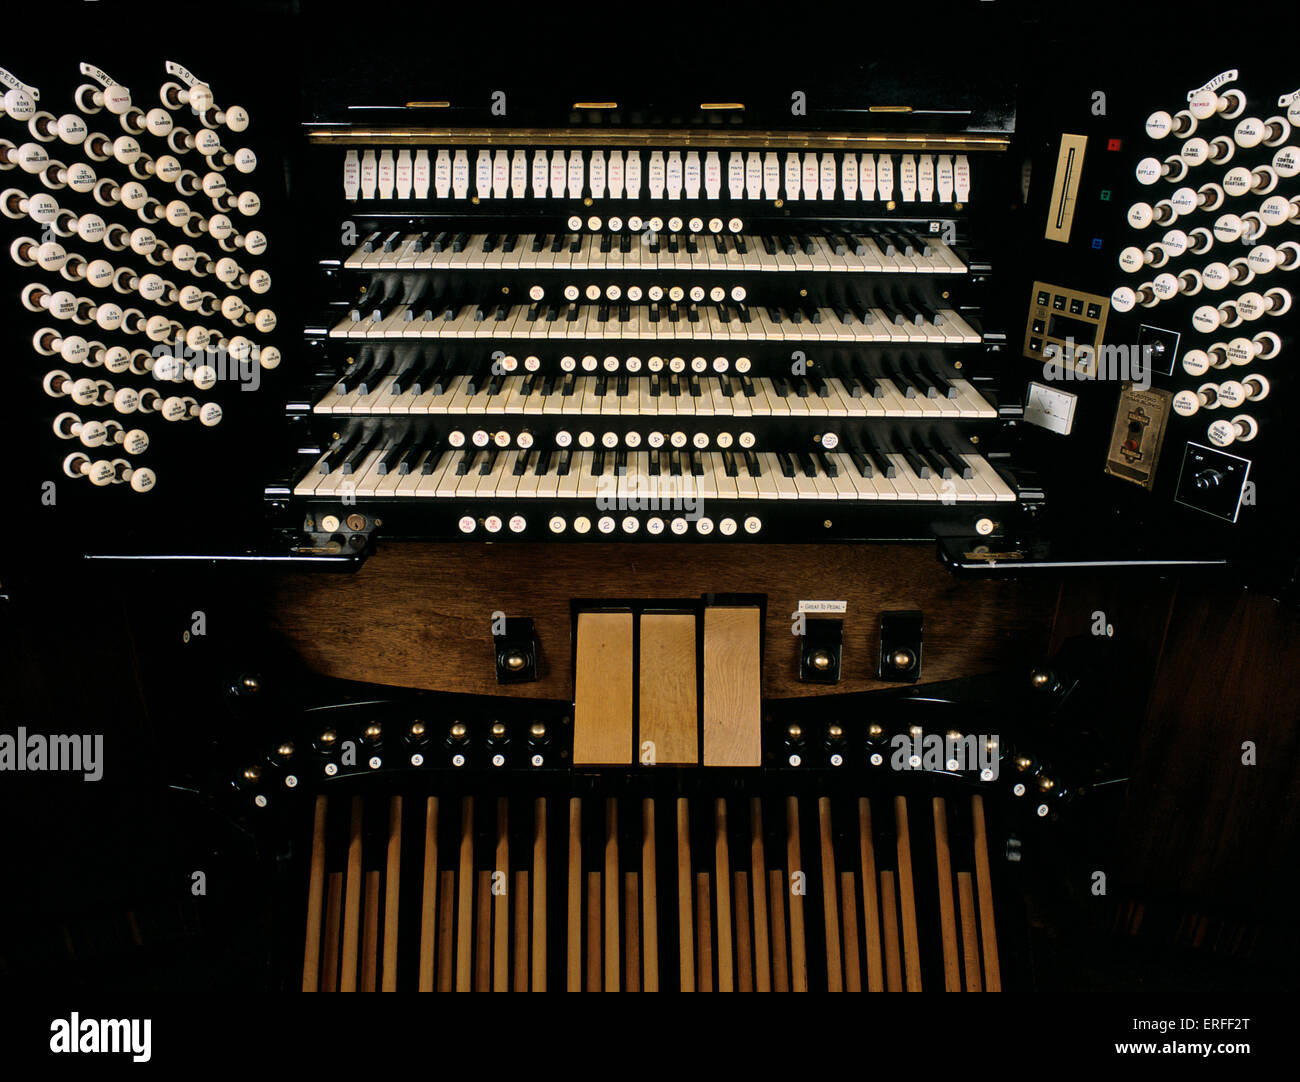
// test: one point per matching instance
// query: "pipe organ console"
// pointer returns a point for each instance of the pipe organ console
(733, 530)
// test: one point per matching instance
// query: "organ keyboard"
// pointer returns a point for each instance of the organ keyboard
(527, 337)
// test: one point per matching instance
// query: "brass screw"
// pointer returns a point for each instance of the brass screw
(794, 732)
(458, 731)
(1040, 678)
(252, 773)
(875, 730)
(975, 439)
(821, 660)
(914, 730)
(834, 732)
(498, 729)
(587, 201)
(284, 750)
(373, 731)
(902, 659)
(514, 662)
(1046, 785)
(803, 292)
(328, 737)
(537, 730)
(1023, 763)
(417, 729)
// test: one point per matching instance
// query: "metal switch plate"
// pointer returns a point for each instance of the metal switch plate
(1212, 481)
(1138, 435)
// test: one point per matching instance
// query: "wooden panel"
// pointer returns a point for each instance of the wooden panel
(669, 713)
(602, 700)
(732, 688)
(419, 615)
(1227, 675)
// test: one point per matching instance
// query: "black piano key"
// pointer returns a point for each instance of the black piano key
(729, 466)
(937, 463)
(753, 465)
(394, 453)
(353, 458)
(521, 463)
(828, 466)
(877, 457)
(539, 242)
(459, 241)
(786, 463)
(861, 462)
(960, 466)
(564, 463)
(916, 462)
(465, 462)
